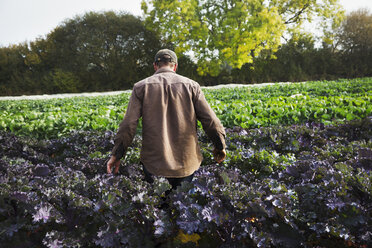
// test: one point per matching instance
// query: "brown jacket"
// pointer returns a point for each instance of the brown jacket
(170, 106)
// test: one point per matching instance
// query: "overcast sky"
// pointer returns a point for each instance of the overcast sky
(25, 20)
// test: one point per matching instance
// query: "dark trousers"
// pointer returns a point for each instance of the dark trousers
(174, 182)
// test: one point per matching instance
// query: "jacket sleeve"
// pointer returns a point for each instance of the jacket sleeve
(128, 127)
(210, 122)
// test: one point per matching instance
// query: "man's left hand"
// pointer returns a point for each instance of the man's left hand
(113, 163)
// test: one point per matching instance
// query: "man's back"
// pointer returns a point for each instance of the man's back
(169, 146)
(170, 106)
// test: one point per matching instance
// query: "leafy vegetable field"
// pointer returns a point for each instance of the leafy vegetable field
(297, 174)
(247, 107)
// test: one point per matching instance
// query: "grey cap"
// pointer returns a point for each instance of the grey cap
(166, 55)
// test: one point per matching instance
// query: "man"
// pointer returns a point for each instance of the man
(170, 106)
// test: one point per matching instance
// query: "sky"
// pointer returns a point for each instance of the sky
(26, 20)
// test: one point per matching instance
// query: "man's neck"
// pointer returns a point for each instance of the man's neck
(164, 69)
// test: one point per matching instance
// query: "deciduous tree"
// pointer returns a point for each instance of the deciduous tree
(222, 34)
(355, 43)
(105, 50)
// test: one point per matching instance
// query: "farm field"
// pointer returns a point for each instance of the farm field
(297, 173)
(246, 107)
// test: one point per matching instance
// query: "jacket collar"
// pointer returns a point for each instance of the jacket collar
(164, 69)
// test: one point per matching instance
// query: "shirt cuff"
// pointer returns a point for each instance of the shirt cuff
(118, 151)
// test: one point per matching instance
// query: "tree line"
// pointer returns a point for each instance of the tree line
(93, 52)
(104, 51)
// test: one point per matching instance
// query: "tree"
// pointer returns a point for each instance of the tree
(92, 52)
(230, 33)
(325, 14)
(355, 34)
(12, 70)
(216, 32)
(355, 42)
(106, 51)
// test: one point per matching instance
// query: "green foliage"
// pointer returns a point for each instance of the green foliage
(247, 107)
(297, 12)
(229, 34)
(219, 33)
(109, 51)
(55, 118)
(292, 103)
(283, 185)
(354, 39)
(64, 81)
(355, 34)
(93, 52)
(105, 50)
(271, 192)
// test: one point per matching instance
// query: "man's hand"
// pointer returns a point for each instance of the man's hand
(219, 155)
(113, 163)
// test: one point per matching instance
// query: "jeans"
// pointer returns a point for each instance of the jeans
(174, 182)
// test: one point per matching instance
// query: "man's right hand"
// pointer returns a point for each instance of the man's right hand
(113, 163)
(219, 155)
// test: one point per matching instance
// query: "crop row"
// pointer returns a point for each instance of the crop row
(247, 107)
(287, 186)
(288, 180)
